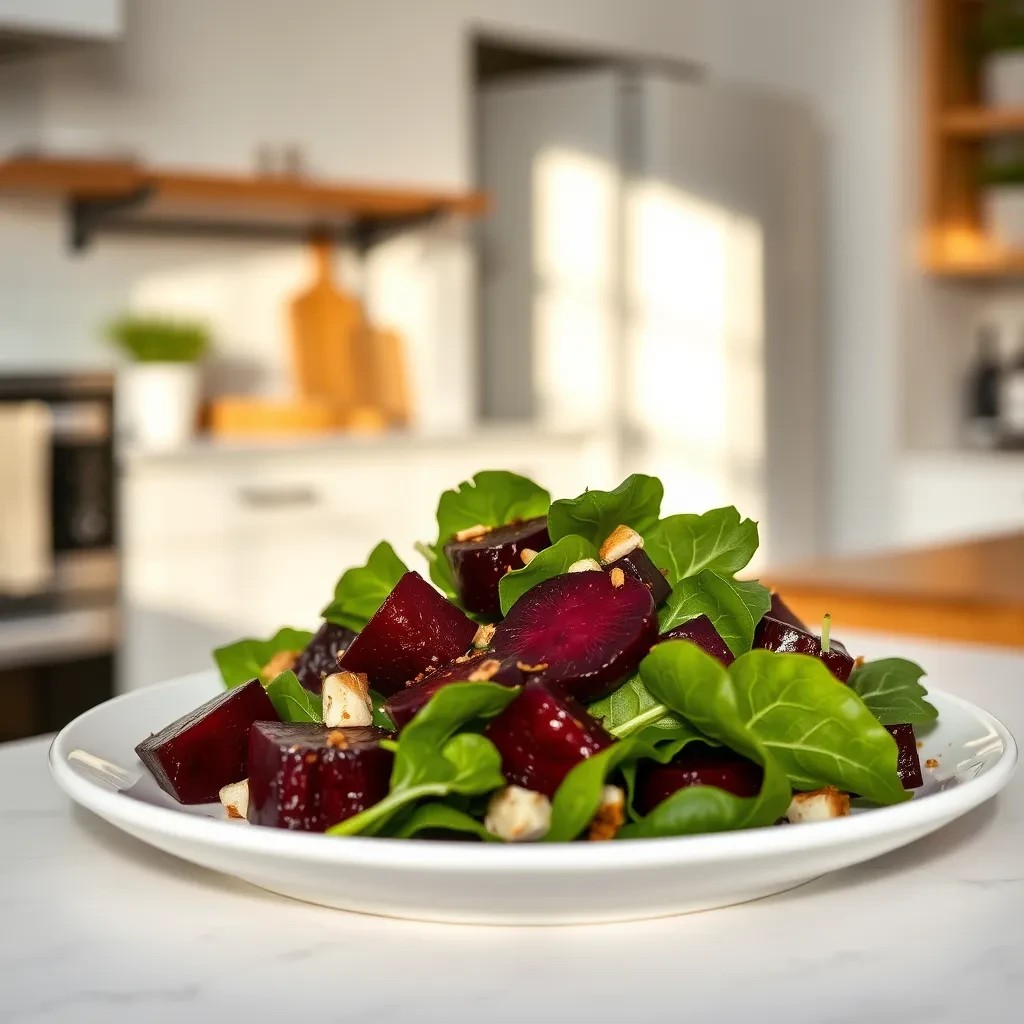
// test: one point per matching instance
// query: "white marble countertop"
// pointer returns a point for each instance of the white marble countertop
(98, 927)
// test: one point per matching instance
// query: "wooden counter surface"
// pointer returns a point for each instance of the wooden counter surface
(971, 591)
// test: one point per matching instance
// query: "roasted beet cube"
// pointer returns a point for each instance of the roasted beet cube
(206, 749)
(909, 762)
(781, 611)
(309, 777)
(702, 632)
(579, 632)
(541, 735)
(402, 705)
(479, 562)
(638, 564)
(320, 658)
(783, 638)
(415, 629)
(697, 764)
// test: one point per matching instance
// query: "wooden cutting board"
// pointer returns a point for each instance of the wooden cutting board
(326, 324)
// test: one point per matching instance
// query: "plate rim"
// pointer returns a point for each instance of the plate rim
(452, 856)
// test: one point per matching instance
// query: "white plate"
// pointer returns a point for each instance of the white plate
(531, 884)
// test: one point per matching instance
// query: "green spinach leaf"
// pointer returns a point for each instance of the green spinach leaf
(245, 659)
(440, 817)
(630, 708)
(293, 702)
(550, 562)
(491, 498)
(636, 502)
(718, 540)
(661, 745)
(891, 690)
(362, 589)
(381, 719)
(432, 761)
(734, 606)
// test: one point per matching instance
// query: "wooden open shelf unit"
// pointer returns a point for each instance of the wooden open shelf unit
(122, 196)
(956, 126)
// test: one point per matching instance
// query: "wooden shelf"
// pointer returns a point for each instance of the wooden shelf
(130, 197)
(981, 122)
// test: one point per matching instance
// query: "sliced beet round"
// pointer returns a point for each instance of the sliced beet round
(205, 750)
(702, 632)
(579, 633)
(320, 658)
(909, 761)
(415, 629)
(784, 638)
(309, 777)
(697, 764)
(542, 735)
(638, 564)
(478, 563)
(404, 704)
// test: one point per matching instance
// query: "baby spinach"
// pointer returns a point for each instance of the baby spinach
(550, 562)
(892, 692)
(244, 659)
(362, 589)
(491, 498)
(631, 708)
(661, 745)
(718, 540)
(734, 606)
(636, 502)
(440, 817)
(432, 761)
(292, 701)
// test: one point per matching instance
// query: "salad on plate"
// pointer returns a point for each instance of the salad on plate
(579, 669)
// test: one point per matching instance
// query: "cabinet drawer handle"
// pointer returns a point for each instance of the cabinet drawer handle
(278, 497)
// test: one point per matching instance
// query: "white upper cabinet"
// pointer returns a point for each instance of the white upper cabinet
(39, 20)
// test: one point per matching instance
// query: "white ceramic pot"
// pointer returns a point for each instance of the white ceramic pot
(160, 403)
(1003, 78)
(1004, 215)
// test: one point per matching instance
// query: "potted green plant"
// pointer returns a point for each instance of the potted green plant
(1002, 182)
(1000, 44)
(159, 390)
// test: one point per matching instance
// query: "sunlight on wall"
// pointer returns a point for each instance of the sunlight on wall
(574, 263)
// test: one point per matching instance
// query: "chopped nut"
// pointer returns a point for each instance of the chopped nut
(931, 763)
(585, 565)
(486, 670)
(483, 637)
(524, 667)
(235, 798)
(473, 532)
(610, 816)
(819, 805)
(336, 738)
(518, 815)
(527, 555)
(858, 661)
(619, 543)
(618, 577)
(346, 700)
(280, 662)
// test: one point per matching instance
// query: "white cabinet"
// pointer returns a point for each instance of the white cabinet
(220, 543)
(62, 19)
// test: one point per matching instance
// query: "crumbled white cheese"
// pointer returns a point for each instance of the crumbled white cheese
(585, 565)
(235, 798)
(347, 700)
(619, 543)
(819, 805)
(518, 815)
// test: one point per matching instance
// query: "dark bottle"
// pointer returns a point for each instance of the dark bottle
(1011, 401)
(983, 391)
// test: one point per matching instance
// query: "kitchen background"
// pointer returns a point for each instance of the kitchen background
(766, 249)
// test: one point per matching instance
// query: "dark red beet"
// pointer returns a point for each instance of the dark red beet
(415, 628)
(584, 635)
(302, 777)
(478, 565)
(909, 761)
(783, 638)
(638, 564)
(781, 611)
(541, 735)
(403, 705)
(702, 632)
(697, 764)
(195, 756)
(320, 658)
